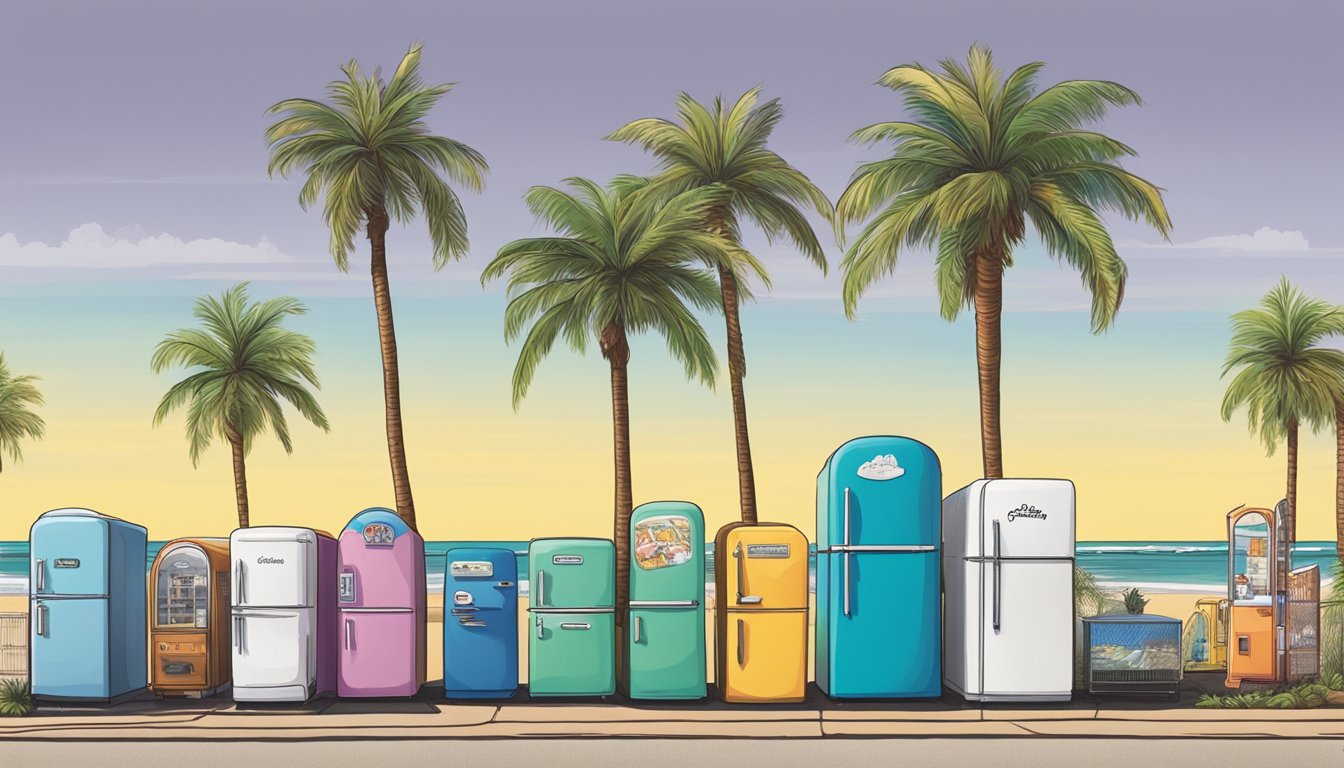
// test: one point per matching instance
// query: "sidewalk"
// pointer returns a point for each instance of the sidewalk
(332, 720)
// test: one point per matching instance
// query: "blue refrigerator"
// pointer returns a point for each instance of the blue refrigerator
(87, 592)
(879, 588)
(480, 628)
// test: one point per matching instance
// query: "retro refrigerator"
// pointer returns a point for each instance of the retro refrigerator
(665, 636)
(1008, 583)
(571, 643)
(879, 585)
(189, 618)
(380, 564)
(283, 615)
(480, 628)
(88, 632)
(760, 577)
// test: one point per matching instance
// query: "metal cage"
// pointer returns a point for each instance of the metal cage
(1132, 653)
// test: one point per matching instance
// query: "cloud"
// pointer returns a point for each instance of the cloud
(1262, 239)
(89, 246)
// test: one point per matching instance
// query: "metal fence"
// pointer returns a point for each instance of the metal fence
(13, 645)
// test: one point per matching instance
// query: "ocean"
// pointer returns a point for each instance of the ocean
(1169, 566)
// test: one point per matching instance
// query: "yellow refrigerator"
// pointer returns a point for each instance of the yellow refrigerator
(760, 577)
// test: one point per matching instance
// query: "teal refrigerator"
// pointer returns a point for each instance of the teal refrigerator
(571, 642)
(665, 635)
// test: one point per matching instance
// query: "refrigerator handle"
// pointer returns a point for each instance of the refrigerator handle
(741, 642)
(998, 580)
(846, 517)
(348, 622)
(41, 620)
(541, 628)
(541, 590)
(238, 587)
(742, 579)
(40, 566)
(846, 579)
(634, 638)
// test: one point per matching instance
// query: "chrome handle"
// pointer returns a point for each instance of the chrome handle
(998, 580)
(348, 627)
(238, 588)
(41, 619)
(846, 517)
(741, 642)
(634, 636)
(41, 574)
(541, 628)
(541, 588)
(238, 633)
(846, 583)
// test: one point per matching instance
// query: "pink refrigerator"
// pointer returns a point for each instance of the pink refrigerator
(381, 567)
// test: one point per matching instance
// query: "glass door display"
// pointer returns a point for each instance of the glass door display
(1252, 561)
(182, 590)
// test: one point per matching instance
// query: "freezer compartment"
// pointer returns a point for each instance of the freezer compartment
(877, 491)
(567, 573)
(888, 602)
(571, 654)
(273, 650)
(70, 651)
(71, 554)
(764, 656)
(764, 566)
(378, 654)
(667, 652)
(273, 572)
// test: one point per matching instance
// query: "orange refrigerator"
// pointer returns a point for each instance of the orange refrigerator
(760, 577)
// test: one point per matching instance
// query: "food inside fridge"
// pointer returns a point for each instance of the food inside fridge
(662, 541)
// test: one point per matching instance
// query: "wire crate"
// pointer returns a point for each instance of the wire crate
(1132, 653)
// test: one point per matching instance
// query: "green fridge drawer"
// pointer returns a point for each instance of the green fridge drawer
(571, 654)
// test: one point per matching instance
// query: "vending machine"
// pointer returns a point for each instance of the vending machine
(189, 638)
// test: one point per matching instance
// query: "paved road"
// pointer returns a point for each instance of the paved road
(573, 753)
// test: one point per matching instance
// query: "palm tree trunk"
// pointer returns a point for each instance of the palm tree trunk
(1290, 525)
(737, 371)
(239, 475)
(1339, 478)
(988, 354)
(387, 338)
(616, 350)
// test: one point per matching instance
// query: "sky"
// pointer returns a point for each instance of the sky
(133, 178)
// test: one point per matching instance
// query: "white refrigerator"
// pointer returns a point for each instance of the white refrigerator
(1008, 548)
(278, 610)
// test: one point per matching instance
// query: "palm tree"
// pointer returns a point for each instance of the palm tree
(373, 157)
(244, 363)
(1339, 475)
(18, 394)
(980, 156)
(1282, 378)
(725, 148)
(621, 265)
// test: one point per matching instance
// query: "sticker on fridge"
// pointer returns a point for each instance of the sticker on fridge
(662, 541)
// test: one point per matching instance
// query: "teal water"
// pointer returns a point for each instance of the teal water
(1172, 565)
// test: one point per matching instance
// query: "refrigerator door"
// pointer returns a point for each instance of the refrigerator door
(766, 567)
(381, 560)
(273, 649)
(182, 589)
(894, 608)
(1029, 518)
(70, 654)
(572, 573)
(480, 628)
(765, 655)
(881, 491)
(667, 653)
(571, 654)
(378, 653)
(1027, 630)
(70, 555)
(274, 573)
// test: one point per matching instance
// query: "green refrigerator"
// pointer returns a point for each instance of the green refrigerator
(571, 642)
(665, 633)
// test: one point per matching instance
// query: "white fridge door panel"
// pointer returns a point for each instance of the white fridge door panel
(1032, 518)
(274, 574)
(1027, 628)
(273, 648)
